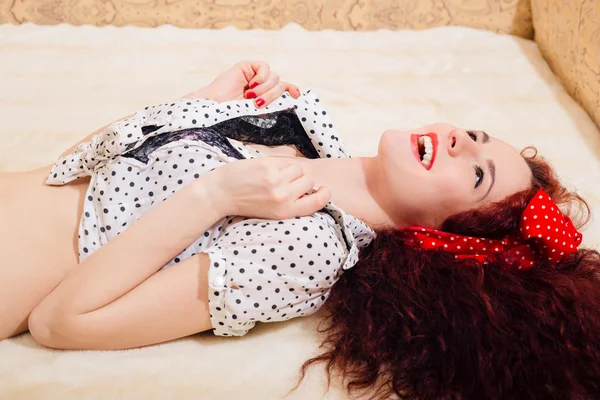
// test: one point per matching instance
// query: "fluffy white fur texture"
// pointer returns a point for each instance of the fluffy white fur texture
(59, 83)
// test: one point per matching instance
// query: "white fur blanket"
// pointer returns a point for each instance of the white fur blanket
(57, 84)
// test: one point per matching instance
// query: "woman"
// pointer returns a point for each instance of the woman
(258, 241)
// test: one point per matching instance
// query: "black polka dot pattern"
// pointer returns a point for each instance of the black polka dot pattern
(281, 270)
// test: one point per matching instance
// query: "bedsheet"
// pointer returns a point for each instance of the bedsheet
(59, 83)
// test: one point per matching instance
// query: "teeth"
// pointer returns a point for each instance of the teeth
(426, 142)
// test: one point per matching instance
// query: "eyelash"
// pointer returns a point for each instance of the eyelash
(478, 171)
(479, 174)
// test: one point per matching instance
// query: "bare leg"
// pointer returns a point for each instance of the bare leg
(20, 294)
(37, 243)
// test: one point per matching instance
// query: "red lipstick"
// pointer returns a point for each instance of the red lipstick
(421, 154)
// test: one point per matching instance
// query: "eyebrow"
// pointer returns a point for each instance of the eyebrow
(492, 168)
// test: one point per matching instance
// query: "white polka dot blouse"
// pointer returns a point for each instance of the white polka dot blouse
(261, 270)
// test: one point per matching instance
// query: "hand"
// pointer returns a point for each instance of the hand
(269, 188)
(247, 80)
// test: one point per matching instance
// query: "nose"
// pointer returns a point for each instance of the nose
(459, 142)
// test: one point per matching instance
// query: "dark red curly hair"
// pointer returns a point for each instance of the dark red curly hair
(418, 324)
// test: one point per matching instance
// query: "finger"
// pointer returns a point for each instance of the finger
(280, 162)
(270, 82)
(262, 71)
(270, 96)
(291, 173)
(311, 203)
(299, 187)
(246, 68)
(291, 89)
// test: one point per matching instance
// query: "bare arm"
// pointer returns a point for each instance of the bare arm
(116, 299)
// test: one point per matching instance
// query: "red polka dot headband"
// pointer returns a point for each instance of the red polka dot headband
(544, 234)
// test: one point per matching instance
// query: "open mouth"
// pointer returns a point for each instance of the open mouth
(425, 148)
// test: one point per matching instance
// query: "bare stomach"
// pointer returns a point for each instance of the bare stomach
(38, 237)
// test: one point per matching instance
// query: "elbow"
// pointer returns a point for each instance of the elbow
(40, 327)
(43, 327)
(51, 330)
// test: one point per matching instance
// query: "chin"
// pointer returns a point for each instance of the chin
(395, 151)
(391, 141)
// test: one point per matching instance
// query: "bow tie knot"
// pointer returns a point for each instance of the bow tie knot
(552, 232)
(544, 234)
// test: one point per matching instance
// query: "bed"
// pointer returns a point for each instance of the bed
(59, 81)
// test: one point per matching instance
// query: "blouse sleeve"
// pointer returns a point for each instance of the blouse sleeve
(272, 270)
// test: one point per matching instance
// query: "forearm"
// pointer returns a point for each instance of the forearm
(206, 92)
(135, 254)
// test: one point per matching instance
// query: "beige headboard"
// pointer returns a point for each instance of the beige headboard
(568, 33)
(507, 16)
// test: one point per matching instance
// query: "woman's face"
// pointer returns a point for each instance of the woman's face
(439, 170)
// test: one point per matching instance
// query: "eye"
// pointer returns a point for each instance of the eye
(478, 176)
(473, 135)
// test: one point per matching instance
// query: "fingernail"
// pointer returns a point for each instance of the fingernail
(259, 102)
(253, 85)
(250, 94)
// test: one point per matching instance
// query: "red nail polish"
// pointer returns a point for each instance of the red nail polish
(250, 94)
(253, 85)
(259, 102)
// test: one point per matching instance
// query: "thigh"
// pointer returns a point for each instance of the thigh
(36, 246)
(22, 287)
